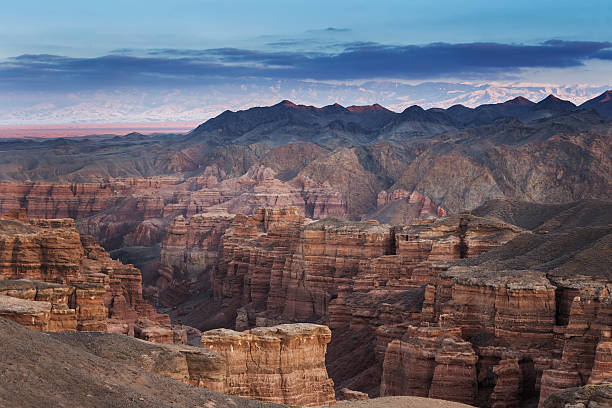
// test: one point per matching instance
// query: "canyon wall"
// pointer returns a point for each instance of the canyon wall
(124, 212)
(55, 279)
(354, 276)
(71, 282)
(284, 363)
(403, 302)
(516, 322)
(189, 251)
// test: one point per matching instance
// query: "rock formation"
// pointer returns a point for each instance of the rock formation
(577, 397)
(525, 297)
(53, 278)
(128, 212)
(354, 276)
(106, 370)
(190, 250)
(520, 327)
(284, 363)
(188, 364)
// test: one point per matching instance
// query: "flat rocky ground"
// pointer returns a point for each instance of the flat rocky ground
(401, 402)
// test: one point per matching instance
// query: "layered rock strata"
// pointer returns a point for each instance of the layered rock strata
(354, 276)
(50, 265)
(284, 363)
(190, 250)
(530, 331)
(431, 362)
(126, 212)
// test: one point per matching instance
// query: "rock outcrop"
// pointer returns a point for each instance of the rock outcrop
(522, 325)
(589, 396)
(284, 363)
(354, 276)
(602, 366)
(125, 212)
(106, 370)
(188, 364)
(60, 280)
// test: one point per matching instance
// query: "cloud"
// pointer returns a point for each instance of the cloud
(355, 61)
(330, 30)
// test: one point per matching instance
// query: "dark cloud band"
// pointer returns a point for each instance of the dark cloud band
(176, 67)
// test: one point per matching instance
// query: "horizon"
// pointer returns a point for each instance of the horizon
(59, 130)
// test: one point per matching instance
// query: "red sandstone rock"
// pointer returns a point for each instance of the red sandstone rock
(284, 363)
(355, 275)
(130, 211)
(430, 362)
(76, 277)
(602, 368)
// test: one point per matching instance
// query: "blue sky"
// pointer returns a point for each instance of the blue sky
(80, 60)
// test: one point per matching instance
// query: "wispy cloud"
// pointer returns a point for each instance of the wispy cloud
(357, 60)
(330, 30)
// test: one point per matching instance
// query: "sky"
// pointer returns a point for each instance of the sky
(187, 60)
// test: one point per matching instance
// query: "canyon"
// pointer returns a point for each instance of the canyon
(53, 279)
(299, 255)
(462, 307)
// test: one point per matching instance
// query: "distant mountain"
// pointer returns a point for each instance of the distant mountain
(547, 152)
(416, 121)
(602, 104)
(548, 107)
(335, 126)
(488, 113)
(287, 122)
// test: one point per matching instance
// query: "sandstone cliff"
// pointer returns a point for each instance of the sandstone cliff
(124, 212)
(55, 279)
(522, 323)
(354, 276)
(284, 363)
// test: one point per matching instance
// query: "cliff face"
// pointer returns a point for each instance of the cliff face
(284, 364)
(295, 269)
(135, 211)
(353, 276)
(190, 249)
(431, 362)
(536, 310)
(70, 282)
(514, 320)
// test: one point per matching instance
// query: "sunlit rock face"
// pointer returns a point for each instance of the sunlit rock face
(530, 326)
(70, 282)
(284, 364)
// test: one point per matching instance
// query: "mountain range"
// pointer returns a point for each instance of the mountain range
(551, 151)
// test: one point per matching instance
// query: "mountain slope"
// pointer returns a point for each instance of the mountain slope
(601, 103)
